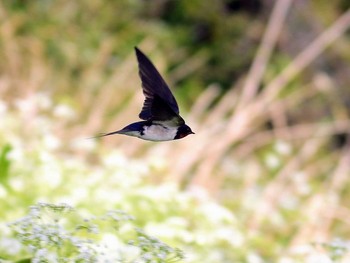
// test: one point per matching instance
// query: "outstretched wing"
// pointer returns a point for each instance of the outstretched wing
(159, 103)
(162, 113)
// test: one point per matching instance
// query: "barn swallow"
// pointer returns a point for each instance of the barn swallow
(160, 112)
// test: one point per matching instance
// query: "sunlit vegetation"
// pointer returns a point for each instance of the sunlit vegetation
(263, 84)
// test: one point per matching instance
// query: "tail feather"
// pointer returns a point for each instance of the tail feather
(132, 129)
(105, 134)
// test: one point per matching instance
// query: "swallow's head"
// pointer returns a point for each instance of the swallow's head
(183, 131)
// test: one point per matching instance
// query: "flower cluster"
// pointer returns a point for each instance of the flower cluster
(152, 250)
(48, 237)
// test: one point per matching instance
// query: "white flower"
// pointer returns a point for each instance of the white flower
(216, 213)
(51, 142)
(147, 256)
(272, 161)
(3, 192)
(41, 252)
(10, 245)
(64, 111)
(318, 258)
(83, 144)
(3, 107)
(282, 147)
(254, 258)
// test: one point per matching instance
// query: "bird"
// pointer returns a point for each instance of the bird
(160, 111)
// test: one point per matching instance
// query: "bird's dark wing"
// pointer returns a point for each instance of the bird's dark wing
(160, 103)
(162, 113)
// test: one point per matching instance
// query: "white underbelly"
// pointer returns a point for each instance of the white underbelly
(159, 133)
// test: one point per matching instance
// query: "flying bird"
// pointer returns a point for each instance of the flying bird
(160, 112)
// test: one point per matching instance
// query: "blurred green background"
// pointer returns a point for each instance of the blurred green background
(264, 84)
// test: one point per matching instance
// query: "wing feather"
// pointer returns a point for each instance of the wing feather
(154, 86)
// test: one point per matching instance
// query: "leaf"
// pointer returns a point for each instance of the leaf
(5, 163)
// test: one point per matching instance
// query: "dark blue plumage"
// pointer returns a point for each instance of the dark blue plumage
(160, 111)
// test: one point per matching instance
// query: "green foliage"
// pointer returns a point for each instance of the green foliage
(47, 235)
(4, 164)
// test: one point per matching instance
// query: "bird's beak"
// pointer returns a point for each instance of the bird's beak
(192, 132)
